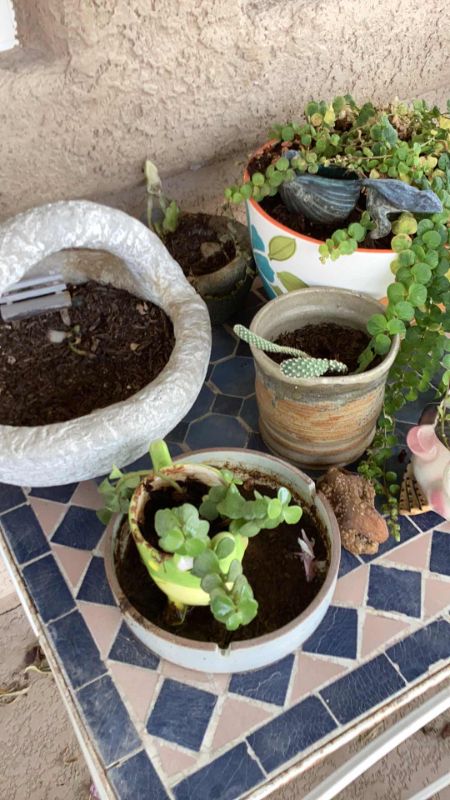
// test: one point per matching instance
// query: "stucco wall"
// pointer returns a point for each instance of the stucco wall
(97, 86)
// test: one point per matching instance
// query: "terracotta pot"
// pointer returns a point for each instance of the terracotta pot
(262, 650)
(318, 422)
(287, 260)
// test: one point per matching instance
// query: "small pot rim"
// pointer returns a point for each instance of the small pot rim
(333, 569)
(258, 208)
(272, 369)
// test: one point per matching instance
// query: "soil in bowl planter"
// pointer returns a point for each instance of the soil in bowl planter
(271, 564)
(327, 340)
(197, 247)
(297, 222)
(117, 343)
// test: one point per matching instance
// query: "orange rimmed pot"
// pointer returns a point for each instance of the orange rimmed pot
(318, 422)
(288, 260)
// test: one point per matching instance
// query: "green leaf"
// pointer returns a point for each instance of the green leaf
(404, 310)
(417, 294)
(287, 133)
(194, 547)
(357, 231)
(165, 521)
(291, 282)
(377, 324)
(292, 515)
(401, 242)
(221, 606)
(281, 248)
(207, 562)
(115, 473)
(234, 571)
(446, 362)
(432, 239)
(104, 515)
(282, 164)
(421, 272)
(258, 179)
(172, 541)
(284, 495)
(396, 292)
(246, 529)
(225, 547)
(396, 326)
(233, 621)
(274, 509)
(211, 582)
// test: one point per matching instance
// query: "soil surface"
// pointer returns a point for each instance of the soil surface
(326, 340)
(115, 345)
(271, 565)
(196, 246)
(297, 222)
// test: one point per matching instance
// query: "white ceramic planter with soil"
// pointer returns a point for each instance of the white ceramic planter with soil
(238, 656)
(326, 421)
(86, 446)
(288, 260)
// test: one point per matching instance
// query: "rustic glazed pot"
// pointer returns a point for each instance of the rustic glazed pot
(288, 260)
(249, 654)
(318, 422)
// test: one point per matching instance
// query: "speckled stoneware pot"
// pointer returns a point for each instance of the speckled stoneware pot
(318, 422)
(263, 650)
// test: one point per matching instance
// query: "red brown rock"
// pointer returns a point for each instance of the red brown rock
(352, 498)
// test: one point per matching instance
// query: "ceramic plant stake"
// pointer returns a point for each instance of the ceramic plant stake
(304, 366)
(431, 464)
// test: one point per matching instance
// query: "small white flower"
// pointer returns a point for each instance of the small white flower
(185, 563)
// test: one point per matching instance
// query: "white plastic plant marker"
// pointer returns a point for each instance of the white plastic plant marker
(34, 296)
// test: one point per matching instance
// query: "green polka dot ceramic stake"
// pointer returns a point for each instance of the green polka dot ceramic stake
(304, 366)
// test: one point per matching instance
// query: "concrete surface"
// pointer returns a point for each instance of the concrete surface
(96, 87)
(41, 759)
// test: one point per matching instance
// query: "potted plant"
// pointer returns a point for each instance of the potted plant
(85, 445)
(352, 148)
(213, 251)
(400, 142)
(194, 524)
(430, 446)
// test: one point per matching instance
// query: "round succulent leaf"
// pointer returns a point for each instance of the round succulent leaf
(421, 272)
(284, 495)
(281, 248)
(274, 508)
(172, 541)
(234, 570)
(233, 621)
(432, 239)
(377, 324)
(292, 514)
(248, 610)
(224, 547)
(382, 343)
(221, 606)
(357, 231)
(396, 292)
(404, 310)
(396, 326)
(417, 294)
(211, 582)
(401, 242)
(205, 563)
(194, 547)
(165, 521)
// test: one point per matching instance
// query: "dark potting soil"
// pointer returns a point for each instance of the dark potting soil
(326, 340)
(196, 246)
(297, 222)
(116, 344)
(271, 565)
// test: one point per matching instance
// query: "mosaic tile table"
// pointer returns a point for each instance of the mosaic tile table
(149, 729)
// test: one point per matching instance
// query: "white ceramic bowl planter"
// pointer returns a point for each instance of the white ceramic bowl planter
(287, 260)
(252, 653)
(85, 447)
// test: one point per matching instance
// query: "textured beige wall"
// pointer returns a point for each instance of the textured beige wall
(100, 85)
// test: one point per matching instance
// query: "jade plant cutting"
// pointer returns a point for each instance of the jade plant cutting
(197, 559)
(389, 168)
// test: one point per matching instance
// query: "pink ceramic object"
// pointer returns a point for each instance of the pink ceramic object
(431, 463)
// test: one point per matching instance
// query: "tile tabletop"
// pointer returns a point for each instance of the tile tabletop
(160, 731)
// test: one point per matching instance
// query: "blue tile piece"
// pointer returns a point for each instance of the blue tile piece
(137, 778)
(10, 496)
(256, 442)
(290, 733)
(250, 413)
(235, 377)
(227, 778)
(143, 462)
(24, 534)
(114, 733)
(201, 406)
(76, 649)
(80, 528)
(337, 634)
(95, 587)
(416, 654)
(227, 405)
(440, 553)
(181, 714)
(216, 430)
(178, 433)
(269, 684)
(348, 563)
(407, 531)
(393, 589)
(130, 650)
(60, 494)
(223, 344)
(48, 588)
(428, 520)
(362, 689)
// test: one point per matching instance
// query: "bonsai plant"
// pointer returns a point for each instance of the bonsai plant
(214, 252)
(192, 524)
(409, 143)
